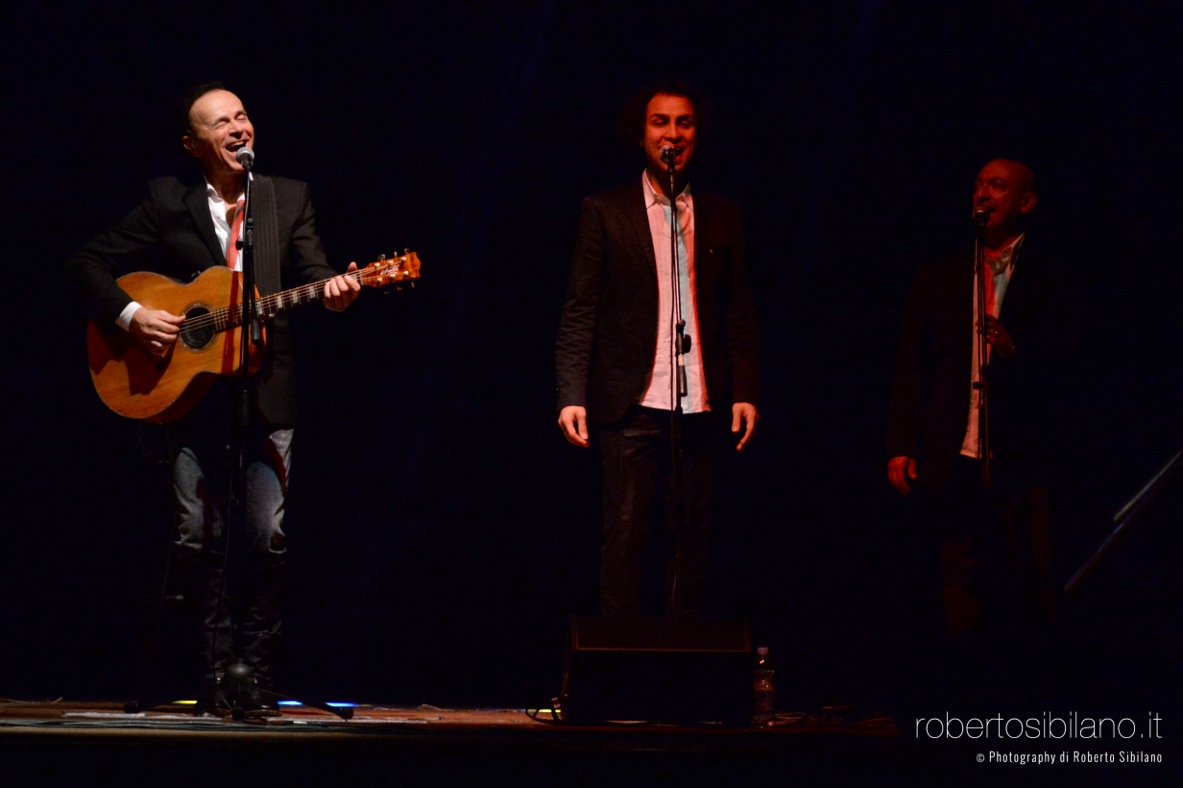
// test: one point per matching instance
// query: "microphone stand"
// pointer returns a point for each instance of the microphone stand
(239, 677)
(678, 388)
(232, 685)
(252, 332)
(982, 384)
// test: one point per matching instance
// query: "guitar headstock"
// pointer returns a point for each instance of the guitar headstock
(396, 270)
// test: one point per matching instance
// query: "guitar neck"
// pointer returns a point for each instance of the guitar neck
(267, 307)
(396, 270)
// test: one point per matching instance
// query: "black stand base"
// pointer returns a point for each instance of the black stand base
(242, 695)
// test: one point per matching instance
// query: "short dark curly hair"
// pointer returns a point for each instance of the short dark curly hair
(630, 126)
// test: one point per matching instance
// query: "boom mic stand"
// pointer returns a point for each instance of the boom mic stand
(1126, 518)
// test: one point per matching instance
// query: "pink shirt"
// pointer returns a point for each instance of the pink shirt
(659, 394)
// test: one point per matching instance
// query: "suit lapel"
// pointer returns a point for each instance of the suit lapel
(198, 204)
(636, 219)
(702, 227)
(266, 237)
(1024, 292)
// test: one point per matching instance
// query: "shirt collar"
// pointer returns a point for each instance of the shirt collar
(1006, 259)
(654, 197)
(212, 194)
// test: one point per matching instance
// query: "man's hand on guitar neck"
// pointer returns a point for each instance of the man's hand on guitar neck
(155, 329)
(341, 291)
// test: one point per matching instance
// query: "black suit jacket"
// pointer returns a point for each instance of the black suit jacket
(931, 392)
(608, 331)
(172, 233)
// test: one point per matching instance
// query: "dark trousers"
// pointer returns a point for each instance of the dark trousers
(998, 594)
(641, 490)
(996, 551)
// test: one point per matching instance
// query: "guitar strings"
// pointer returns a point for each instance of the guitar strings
(224, 315)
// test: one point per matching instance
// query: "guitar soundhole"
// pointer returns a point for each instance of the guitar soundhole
(195, 333)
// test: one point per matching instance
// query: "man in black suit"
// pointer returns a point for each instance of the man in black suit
(995, 537)
(617, 366)
(180, 231)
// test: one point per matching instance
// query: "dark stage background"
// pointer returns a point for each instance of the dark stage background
(441, 531)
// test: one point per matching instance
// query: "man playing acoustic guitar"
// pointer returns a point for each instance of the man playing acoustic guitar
(180, 231)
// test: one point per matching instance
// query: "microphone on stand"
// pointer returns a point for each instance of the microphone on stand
(245, 157)
(669, 154)
(981, 215)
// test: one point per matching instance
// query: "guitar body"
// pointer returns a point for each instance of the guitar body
(133, 383)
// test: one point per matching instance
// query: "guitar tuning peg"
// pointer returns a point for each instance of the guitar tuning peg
(381, 257)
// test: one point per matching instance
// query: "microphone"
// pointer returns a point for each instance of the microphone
(245, 157)
(668, 154)
(982, 215)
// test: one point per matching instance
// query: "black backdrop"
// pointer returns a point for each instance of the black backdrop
(441, 531)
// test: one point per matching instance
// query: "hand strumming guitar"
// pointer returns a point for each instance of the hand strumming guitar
(155, 329)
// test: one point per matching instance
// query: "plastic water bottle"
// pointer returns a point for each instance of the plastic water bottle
(763, 689)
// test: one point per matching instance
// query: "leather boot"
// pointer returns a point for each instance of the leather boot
(260, 627)
(208, 612)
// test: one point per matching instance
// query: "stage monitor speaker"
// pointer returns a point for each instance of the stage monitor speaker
(658, 670)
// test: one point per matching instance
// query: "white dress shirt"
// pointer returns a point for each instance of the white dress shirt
(658, 394)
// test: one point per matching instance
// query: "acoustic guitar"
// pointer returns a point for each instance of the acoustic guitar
(135, 384)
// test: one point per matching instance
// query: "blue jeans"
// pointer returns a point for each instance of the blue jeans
(252, 553)
(201, 487)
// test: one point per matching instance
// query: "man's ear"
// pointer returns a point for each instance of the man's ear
(1027, 204)
(190, 144)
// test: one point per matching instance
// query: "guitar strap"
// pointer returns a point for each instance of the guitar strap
(267, 263)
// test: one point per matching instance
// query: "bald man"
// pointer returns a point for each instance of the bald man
(994, 539)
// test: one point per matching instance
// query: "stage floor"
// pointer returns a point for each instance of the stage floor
(168, 745)
(77, 743)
